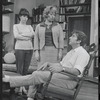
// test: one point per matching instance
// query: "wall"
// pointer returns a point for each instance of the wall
(94, 21)
(28, 4)
(9, 37)
(94, 28)
(47, 2)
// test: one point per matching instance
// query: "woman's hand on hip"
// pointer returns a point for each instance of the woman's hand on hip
(60, 55)
(37, 55)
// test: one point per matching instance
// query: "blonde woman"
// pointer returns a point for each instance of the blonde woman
(48, 39)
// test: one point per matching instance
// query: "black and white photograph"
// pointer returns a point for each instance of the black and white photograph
(50, 50)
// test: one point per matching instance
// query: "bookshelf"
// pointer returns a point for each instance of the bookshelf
(7, 12)
(37, 15)
(7, 6)
(6, 18)
(74, 8)
(77, 4)
(77, 15)
(95, 70)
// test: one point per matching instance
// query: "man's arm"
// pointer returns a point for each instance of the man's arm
(71, 70)
(80, 63)
(57, 67)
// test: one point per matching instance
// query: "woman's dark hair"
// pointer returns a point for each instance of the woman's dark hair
(23, 12)
(80, 36)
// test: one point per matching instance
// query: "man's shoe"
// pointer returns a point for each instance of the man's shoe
(5, 78)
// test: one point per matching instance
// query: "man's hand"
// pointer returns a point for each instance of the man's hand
(44, 66)
(55, 68)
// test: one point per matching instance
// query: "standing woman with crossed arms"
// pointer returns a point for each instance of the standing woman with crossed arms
(23, 34)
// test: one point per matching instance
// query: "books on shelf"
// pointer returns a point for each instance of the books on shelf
(37, 14)
(72, 2)
(74, 6)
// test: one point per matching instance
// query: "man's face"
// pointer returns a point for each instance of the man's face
(73, 39)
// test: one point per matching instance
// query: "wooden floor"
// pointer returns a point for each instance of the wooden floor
(89, 91)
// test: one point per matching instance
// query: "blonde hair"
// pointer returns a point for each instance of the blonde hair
(48, 9)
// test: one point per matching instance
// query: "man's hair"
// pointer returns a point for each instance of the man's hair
(80, 36)
(24, 12)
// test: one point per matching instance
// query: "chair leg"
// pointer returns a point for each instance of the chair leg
(12, 94)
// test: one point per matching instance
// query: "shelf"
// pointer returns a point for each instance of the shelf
(4, 33)
(65, 30)
(72, 5)
(81, 13)
(7, 12)
(40, 22)
(36, 22)
(7, 3)
(62, 22)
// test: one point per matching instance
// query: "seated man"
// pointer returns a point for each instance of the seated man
(74, 62)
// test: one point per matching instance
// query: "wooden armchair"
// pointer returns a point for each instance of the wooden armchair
(48, 91)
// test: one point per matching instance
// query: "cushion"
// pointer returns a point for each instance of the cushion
(9, 58)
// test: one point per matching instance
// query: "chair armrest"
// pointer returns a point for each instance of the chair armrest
(64, 73)
(71, 75)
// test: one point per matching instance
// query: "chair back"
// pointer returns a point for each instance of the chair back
(92, 49)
